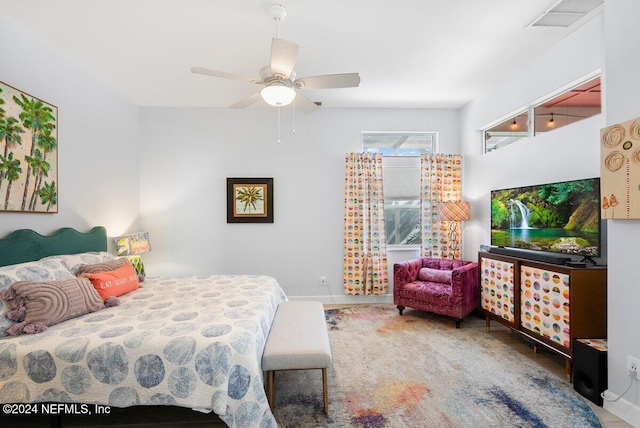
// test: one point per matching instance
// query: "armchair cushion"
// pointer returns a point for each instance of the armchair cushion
(434, 292)
(435, 275)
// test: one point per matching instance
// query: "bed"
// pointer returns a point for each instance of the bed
(192, 342)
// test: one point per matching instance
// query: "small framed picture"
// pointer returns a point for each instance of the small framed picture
(249, 200)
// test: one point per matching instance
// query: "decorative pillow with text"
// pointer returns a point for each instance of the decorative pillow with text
(114, 283)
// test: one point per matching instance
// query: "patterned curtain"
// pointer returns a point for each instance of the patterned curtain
(441, 181)
(365, 248)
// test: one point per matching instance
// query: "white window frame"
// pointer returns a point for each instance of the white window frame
(530, 108)
(403, 161)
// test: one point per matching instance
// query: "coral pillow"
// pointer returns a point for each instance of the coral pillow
(114, 283)
(435, 275)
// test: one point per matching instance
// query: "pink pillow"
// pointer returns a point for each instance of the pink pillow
(435, 275)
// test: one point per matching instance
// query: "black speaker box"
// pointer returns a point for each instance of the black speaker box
(589, 371)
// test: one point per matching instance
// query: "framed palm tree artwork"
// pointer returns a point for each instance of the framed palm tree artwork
(249, 200)
(28, 153)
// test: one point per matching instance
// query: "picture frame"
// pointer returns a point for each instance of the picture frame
(28, 153)
(249, 200)
(620, 171)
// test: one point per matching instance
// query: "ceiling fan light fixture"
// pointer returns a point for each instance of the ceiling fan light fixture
(277, 95)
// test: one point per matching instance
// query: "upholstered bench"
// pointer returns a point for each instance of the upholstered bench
(298, 340)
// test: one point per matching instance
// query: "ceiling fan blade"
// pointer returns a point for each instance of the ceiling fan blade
(304, 104)
(246, 102)
(222, 74)
(344, 80)
(283, 57)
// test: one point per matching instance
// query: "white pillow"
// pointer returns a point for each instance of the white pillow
(41, 270)
(73, 261)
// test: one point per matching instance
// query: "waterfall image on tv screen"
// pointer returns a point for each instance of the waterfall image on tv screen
(557, 217)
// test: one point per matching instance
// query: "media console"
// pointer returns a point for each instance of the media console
(549, 304)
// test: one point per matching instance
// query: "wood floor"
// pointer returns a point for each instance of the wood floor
(175, 417)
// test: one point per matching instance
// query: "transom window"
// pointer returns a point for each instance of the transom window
(560, 109)
(395, 143)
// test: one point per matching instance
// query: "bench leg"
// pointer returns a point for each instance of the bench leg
(270, 378)
(325, 392)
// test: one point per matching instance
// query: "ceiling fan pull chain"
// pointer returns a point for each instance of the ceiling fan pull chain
(278, 124)
(294, 115)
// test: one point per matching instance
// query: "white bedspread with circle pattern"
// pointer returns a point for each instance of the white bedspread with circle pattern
(192, 342)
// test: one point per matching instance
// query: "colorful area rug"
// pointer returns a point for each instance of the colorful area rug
(417, 370)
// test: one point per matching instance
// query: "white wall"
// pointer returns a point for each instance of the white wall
(97, 138)
(570, 152)
(187, 154)
(623, 103)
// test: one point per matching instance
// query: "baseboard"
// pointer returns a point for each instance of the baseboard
(628, 412)
(345, 299)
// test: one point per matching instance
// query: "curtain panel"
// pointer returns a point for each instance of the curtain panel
(365, 249)
(441, 181)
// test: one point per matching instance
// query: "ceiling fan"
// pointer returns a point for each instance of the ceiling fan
(281, 87)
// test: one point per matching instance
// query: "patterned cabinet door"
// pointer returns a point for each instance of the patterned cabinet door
(544, 296)
(497, 288)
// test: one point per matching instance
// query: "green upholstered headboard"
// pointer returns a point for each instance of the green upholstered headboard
(25, 245)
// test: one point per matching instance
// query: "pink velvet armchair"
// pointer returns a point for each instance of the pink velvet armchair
(441, 286)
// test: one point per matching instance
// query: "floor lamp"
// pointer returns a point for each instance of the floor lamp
(455, 213)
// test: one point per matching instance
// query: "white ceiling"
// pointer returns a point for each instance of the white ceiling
(409, 53)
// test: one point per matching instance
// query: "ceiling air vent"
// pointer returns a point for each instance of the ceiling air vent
(564, 13)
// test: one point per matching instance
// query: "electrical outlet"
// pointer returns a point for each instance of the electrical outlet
(633, 367)
(323, 280)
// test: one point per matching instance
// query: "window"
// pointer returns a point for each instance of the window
(507, 132)
(402, 222)
(565, 107)
(394, 143)
(571, 106)
(401, 180)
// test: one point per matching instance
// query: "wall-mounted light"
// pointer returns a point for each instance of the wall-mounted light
(514, 124)
(551, 123)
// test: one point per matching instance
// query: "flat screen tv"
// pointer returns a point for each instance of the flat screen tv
(557, 217)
